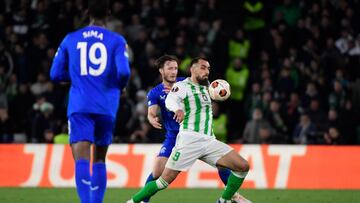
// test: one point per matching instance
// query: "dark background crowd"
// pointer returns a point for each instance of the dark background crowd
(294, 66)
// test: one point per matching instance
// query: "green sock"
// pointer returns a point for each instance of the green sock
(150, 189)
(233, 184)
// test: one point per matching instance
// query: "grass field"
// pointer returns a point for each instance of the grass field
(36, 195)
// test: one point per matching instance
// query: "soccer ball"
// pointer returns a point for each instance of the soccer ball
(219, 90)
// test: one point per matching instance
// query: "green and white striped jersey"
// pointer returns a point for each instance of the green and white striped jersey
(195, 101)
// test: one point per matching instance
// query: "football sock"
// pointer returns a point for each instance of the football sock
(82, 179)
(234, 182)
(149, 179)
(150, 189)
(98, 182)
(224, 174)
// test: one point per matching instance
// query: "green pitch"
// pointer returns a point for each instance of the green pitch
(37, 195)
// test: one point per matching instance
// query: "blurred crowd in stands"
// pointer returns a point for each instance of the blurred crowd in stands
(294, 66)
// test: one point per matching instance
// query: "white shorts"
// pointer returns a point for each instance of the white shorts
(191, 146)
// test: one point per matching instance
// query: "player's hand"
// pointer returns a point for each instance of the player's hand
(179, 116)
(155, 122)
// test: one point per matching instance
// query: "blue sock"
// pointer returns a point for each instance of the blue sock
(98, 182)
(224, 175)
(149, 179)
(82, 179)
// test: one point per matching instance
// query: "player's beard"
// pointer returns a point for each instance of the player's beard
(203, 81)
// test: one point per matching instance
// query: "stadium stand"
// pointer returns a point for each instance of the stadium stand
(297, 65)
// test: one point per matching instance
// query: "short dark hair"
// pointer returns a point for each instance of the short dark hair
(98, 8)
(196, 60)
(160, 62)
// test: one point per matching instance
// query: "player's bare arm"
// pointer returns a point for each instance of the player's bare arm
(154, 120)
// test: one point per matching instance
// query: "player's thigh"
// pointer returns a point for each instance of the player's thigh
(186, 151)
(167, 146)
(81, 127)
(81, 131)
(104, 127)
(163, 155)
(159, 166)
(219, 154)
(233, 161)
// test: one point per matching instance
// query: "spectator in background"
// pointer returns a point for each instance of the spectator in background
(293, 111)
(289, 10)
(140, 124)
(219, 123)
(285, 85)
(349, 119)
(239, 46)
(42, 120)
(343, 42)
(265, 101)
(12, 88)
(39, 87)
(258, 130)
(49, 136)
(311, 93)
(305, 131)
(237, 75)
(337, 98)
(317, 115)
(277, 121)
(333, 137)
(63, 137)
(6, 127)
(123, 127)
(20, 109)
(253, 100)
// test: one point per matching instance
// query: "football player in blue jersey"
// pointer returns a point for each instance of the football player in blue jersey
(94, 60)
(168, 68)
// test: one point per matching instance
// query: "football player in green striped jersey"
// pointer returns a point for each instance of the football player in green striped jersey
(190, 101)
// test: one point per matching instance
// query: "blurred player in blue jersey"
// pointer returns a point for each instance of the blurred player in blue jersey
(95, 61)
(168, 68)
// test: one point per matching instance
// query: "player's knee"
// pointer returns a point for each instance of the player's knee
(243, 166)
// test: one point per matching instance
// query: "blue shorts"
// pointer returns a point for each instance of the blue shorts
(167, 145)
(95, 128)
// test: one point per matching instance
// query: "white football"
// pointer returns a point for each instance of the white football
(219, 90)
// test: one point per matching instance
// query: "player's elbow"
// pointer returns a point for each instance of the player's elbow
(54, 77)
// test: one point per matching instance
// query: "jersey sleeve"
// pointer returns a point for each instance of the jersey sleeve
(152, 98)
(175, 98)
(122, 64)
(59, 71)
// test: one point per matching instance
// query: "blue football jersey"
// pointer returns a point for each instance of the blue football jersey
(95, 61)
(157, 96)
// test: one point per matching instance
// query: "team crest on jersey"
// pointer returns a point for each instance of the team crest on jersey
(175, 89)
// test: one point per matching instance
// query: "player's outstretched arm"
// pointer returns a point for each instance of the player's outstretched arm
(152, 116)
(59, 71)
